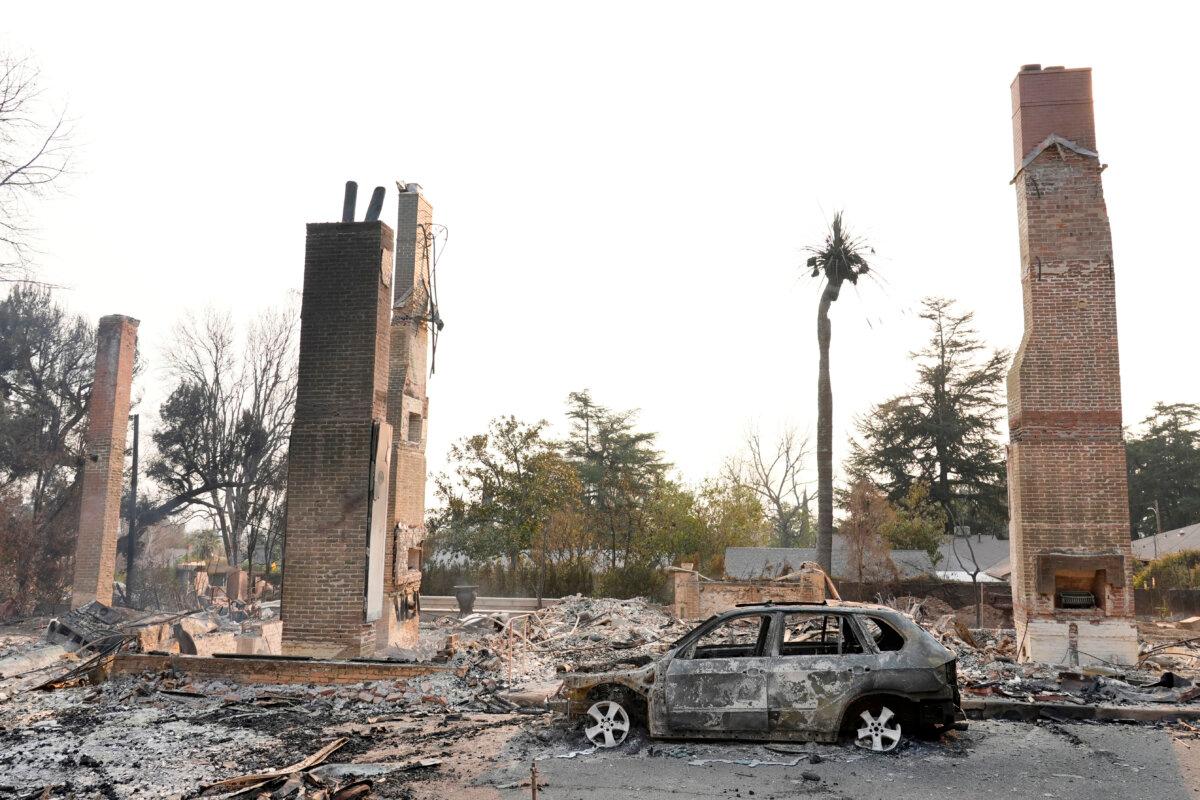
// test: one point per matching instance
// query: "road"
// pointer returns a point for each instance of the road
(995, 759)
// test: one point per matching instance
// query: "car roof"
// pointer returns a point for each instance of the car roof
(844, 606)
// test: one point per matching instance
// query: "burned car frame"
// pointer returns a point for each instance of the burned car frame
(778, 672)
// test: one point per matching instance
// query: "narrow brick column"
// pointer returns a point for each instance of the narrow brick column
(1068, 501)
(104, 461)
(408, 414)
(341, 394)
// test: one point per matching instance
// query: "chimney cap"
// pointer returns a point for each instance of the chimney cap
(409, 188)
(1031, 68)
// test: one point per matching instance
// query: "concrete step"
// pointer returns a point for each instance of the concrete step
(440, 604)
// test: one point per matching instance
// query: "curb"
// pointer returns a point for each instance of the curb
(978, 708)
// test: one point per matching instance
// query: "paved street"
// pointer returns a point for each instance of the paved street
(994, 759)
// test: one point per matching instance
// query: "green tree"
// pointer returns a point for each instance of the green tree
(618, 467)
(1164, 468)
(944, 432)
(507, 487)
(917, 524)
(674, 526)
(46, 361)
(204, 545)
(733, 517)
(840, 258)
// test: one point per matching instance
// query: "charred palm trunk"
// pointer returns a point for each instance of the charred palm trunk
(825, 433)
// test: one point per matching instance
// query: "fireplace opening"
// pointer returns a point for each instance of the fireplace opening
(1080, 589)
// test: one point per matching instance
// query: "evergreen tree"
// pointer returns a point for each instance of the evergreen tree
(1164, 468)
(46, 361)
(944, 432)
(619, 468)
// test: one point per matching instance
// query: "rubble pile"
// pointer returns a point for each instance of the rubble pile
(578, 634)
(1167, 671)
(168, 735)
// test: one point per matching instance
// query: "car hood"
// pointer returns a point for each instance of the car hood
(634, 676)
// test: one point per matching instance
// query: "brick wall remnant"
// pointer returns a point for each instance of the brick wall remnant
(341, 406)
(104, 461)
(1068, 502)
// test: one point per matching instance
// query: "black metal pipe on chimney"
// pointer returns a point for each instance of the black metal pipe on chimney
(376, 207)
(349, 201)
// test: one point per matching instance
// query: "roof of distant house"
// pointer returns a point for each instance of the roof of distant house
(754, 563)
(962, 576)
(1167, 542)
(972, 553)
(1001, 571)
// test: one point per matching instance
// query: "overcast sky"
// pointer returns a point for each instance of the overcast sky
(628, 187)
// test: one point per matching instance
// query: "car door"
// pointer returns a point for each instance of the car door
(821, 666)
(719, 682)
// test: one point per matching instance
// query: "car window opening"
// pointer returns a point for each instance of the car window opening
(813, 634)
(886, 638)
(740, 637)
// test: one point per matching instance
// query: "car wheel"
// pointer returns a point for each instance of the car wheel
(606, 724)
(878, 729)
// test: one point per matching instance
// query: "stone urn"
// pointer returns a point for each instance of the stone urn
(465, 595)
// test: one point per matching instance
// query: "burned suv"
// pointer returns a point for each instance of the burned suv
(778, 672)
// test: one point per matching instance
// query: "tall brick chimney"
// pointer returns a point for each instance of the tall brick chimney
(408, 414)
(1068, 501)
(338, 463)
(104, 461)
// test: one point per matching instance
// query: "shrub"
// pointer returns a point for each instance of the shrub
(635, 580)
(1179, 570)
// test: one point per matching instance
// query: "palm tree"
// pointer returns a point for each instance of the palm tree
(840, 258)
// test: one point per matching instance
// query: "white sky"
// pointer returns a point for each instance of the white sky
(628, 186)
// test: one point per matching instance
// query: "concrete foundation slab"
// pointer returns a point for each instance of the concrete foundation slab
(1088, 642)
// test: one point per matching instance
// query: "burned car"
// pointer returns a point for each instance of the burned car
(778, 672)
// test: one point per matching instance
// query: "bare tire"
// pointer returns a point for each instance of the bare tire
(606, 723)
(877, 731)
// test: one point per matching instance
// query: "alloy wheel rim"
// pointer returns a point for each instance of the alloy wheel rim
(608, 724)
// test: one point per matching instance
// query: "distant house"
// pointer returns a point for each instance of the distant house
(1167, 542)
(766, 563)
(1001, 570)
(959, 558)
(963, 555)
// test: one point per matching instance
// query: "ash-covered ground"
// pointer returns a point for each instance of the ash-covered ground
(474, 732)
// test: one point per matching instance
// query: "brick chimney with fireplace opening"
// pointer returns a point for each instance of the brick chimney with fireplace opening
(1068, 499)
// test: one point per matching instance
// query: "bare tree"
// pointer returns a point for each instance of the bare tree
(773, 474)
(868, 553)
(970, 565)
(222, 445)
(35, 154)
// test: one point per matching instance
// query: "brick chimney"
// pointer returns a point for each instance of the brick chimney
(338, 462)
(1068, 500)
(408, 414)
(104, 461)
(1053, 100)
